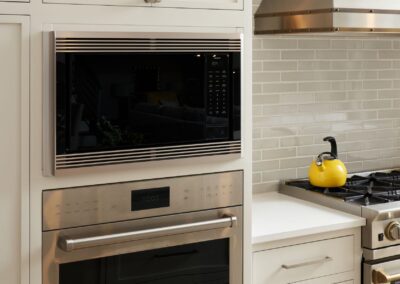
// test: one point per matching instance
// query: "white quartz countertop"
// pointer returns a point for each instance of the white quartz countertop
(277, 216)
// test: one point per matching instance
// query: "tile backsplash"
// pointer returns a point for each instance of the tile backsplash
(309, 87)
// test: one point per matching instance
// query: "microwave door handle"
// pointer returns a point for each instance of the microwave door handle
(70, 244)
(380, 277)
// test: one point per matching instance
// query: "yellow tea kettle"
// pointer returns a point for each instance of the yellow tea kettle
(327, 170)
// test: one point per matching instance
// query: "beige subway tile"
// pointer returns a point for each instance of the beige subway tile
(279, 65)
(346, 65)
(313, 150)
(303, 172)
(262, 77)
(347, 44)
(363, 155)
(265, 143)
(380, 164)
(389, 54)
(389, 74)
(257, 110)
(266, 187)
(377, 64)
(330, 96)
(377, 84)
(278, 153)
(297, 98)
(362, 75)
(362, 95)
(331, 117)
(298, 54)
(377, 124)
(281, 131)
(389, 113)
(313, 76)
(257, 132)
(379, 144)
(377, 104)
(389, 94)
(266, 54)
(347, 105)
(256, 177)
(257, 66)
(314, 65)
(347, 85)
(257, 88)
(257, 43)
(396, 84)
(274, 43)
(314, 43)
(279, 109)
(315, 128)
(362, 54)
(283, 87)
(331, 54)
(295, 162)
(265, 99)
(354, 167)
(377, 44)
(362, 115)
(279, 175)
(396, 104)
(315, 107)
(338, 126)
(290, 119)
(296, 141)
(263, 166)
(257, 156)
(314, 86)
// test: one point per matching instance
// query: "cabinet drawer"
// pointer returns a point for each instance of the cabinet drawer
(304, 261)
(324, 280)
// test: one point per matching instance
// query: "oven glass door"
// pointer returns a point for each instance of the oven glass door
(116, 101)
(205, 262)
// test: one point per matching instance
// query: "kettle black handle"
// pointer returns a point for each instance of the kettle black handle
(320, 157)
(332, 140)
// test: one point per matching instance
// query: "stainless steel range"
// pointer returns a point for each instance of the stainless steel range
(376, 197)
(175, 230)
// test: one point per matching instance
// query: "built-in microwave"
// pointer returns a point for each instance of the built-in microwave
(134, 97)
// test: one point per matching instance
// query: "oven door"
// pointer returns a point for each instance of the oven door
(198, 247)
(382, 272)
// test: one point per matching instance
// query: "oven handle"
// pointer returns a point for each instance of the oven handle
(71, 244)
(380, 277)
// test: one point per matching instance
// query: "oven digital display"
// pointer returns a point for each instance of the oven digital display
(150, 198)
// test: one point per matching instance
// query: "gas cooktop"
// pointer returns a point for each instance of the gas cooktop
(375, 188)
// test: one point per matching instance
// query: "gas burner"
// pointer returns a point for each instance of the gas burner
(373, 189)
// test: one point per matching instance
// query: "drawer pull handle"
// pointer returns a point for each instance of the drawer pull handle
(380, 277)
(323, 260)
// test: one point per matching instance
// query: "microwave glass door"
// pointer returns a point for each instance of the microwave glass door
(116, 101)
(200, 263)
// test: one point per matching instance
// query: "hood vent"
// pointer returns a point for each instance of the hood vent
(322, 16)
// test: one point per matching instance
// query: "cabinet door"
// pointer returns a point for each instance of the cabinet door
(14, 146)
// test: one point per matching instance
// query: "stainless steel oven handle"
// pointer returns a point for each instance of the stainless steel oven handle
(380, 277)
(70, 244)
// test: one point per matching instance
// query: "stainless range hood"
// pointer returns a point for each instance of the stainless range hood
(322, 16)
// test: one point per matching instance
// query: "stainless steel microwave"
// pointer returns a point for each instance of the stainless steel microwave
(134, 97)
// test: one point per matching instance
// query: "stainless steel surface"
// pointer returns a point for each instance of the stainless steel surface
(70, 244)
(152, 1)
(147, 154)
(49, 106)
(381, 273)
(380, 253)
(202, 208)
(307, 263)
(145, 42)
(81, 206)
(291, 16)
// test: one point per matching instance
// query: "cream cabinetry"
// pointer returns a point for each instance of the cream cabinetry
(319, 259)
(195, 4)
(14, 146)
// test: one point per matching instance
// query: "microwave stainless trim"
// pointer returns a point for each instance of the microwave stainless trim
(97, 222)
(124, 42)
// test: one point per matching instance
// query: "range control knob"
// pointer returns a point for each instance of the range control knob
(392, 231)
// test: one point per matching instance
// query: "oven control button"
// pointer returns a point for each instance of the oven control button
(392, 231)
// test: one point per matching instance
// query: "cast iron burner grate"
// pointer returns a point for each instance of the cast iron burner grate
(373, 189)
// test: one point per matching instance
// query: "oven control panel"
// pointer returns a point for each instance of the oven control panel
(73, 207)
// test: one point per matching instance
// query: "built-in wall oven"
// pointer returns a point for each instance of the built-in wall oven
(185, 230)
(134, 97)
